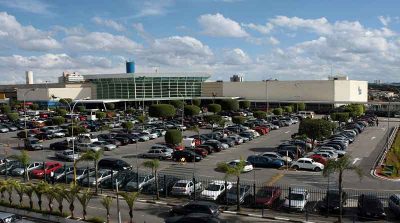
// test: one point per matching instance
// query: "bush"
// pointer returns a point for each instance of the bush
(162, 111)
(288, 109)
(244, 104)
(214, 108)
(192, 110)
(100, 115)
(340, 116)
(61, 111)
(277, 111)
(173, 136)
(238, 120)
(110, 106)
(177, 103)
(301, 106)
(127, 125)
(58, 120)
(95, 220)
(260, 114)
(13, 116)
(81, 108)
(230, 105)
(196, 102)
(213, 119)
(316, 129)
(77, 130)
(5, 109)
(34, 106)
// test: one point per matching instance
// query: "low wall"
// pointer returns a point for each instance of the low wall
(40, 216)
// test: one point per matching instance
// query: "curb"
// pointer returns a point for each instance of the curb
(265, 217)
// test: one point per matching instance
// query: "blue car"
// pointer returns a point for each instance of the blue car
(262, 161)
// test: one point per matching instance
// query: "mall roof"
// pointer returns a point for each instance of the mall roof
(140, 75)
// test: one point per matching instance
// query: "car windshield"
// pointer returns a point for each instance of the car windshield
(180, 185)
(213, 187)
(80, 171)
(61, 170)
(332, 196)
(296, 197)
(264, 193)
(233, 190)
(34, 142)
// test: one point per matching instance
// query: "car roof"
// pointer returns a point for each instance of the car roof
(184, 181)
(218, 182)
(299, 190)
(308, 159)
(5, 215)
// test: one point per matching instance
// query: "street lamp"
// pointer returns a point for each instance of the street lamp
(24, 97)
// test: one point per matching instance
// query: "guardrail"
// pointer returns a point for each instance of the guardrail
(380, 159)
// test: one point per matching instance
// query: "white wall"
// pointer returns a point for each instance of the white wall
(44, 94)
(250, 89)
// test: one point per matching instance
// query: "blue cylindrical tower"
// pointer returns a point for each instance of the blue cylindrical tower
(130, 66)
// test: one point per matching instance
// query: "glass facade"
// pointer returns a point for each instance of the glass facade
(139, 87)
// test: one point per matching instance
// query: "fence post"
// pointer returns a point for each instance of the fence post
(112, 180)
(165, 185)
(87, 176)
(194, 189)
(254, 194)
(226, 193)
(6, 170)
(327, 203)
(290, 199)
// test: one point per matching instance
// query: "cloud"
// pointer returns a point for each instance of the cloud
(154, 8)
(74, 30)
(273, 41)
(264, 29)
(32, 6)
(142, 33)
(235, 57)
(101, 41)
(385, 20)
(219, 26)
(108, 23)
(25, 37)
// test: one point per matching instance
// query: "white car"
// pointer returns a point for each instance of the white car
(247, 168)
(58, 134)
(67, 155)
(307, 163)
(185, 187)
(20, 170)
(214, 190)
(88, 146)
(327, 149)
(297, 200)
(150, 135)
(105, 145)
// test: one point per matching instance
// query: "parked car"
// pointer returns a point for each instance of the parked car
(297, 199)
(262, 161)
(102, 175)
(10, 165)
(188, 155)
(156, 154)
(185, 187)
(214, 190)
(136, 184)
(21, 170)
(331, 201)
(48, 168)
(113, 164)
(194, 217)
(122, 177)
(308, 164)
(244, 193)
(60, 174)
(275, 155)
(319, 159)
(61, 145)
(80, 174)
(370, 206)
(196, 207)
(67, 155)
(247, 168)
(106, 146)
(6, 217)
(394, 204)
(33, 144)
(268, 196)
(84, 147)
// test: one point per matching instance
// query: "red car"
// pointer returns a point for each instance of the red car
(49, 167)
(200, 151)
(268, 196)
(319, 159)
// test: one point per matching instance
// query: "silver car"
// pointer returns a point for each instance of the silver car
(12, 218)
(105, 145)
(19, 171)
(157, 154)
(88, 146)
(102, 174)
(143, 180)
(67, 155)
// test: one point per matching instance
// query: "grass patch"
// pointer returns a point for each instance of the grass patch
(392, 159)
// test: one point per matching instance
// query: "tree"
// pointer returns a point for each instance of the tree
(130, 111)
(154, 165)
(260, 114)
(173, 136)
(128, 126)
(13, 116)
(110, 106)
(71, 195)
(19, 188)
(288, 109)
(77, 130)
(10, 184)
(39, 190)
(162, 111)
(191, 110)
(239, 120)
(100, 115)
(130, 198)
(196, 102)
(235, 171)
(277, 111)
(214, 108)
(142, 120)
(244, 104)
(5, 109)
(81, 108)
(95, 156)
(24, 159)
(34, 106)
(106, 202)
(316, 129)
(340, 116)
(65, 101)
(59, 196)
(230, 105)
(61, 112)
(301, 106)
(84, 199)
(213, 119)
(58, 120)
(355, 110)
(345, 163)
(177, 103)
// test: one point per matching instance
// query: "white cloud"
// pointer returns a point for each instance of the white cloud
(154, 8)
(264, 29)
(108, 23)
(273, 41)
(75, 30)
(100, 41)
(32, 6)
(25, 37)
(219, 26)
(385, 20)
(235, 57)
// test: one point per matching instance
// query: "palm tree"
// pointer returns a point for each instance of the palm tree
(339, 166)
(59, 196)
(106, 202)
(95, 156)
(39, 190)
(153, 165)
(130, 198)
(29, 192)
(84, 199)
(20, 189)
(234, 171)
(24, 159)
(142, 120)
(70, 195)
(9, 187)
(50, 194)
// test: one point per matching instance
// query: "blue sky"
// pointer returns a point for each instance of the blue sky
(302, 39)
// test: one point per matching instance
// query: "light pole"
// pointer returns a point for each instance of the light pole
(183, 110)
(24, 97)
(388, 135)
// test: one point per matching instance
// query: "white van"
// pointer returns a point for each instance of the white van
(87, 138)
(307, 114)
(189, 142)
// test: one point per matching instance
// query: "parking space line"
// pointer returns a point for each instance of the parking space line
(275, 178)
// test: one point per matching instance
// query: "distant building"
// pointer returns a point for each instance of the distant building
(70, 78)
(237, 78)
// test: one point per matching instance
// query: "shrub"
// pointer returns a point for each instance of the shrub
(260, 114)
(95, 220)
(127, 125)
(58, 120)
(196, 102)
(288, 109)
(191, 110)
(162, 111)
(61, 111)
(173, 136)
(5, 109)
(100, 115)
(13, 116)
(110, 106)
(277, 111)
(177, 103)
(244, 104)
(214, 108)
(230, 105)
(213, 119)
(238, 119)
(340, 116)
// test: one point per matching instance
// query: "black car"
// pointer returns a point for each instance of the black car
(262, 161)
(62, 145)
(216, 146)
(122, 177)
(113, 164)
(370, 206)
(194, 217)
(165, 184)
(331, 201)
(196, 207)
(230, 142)
(188, 155)
(131, 138)
(248, 135)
